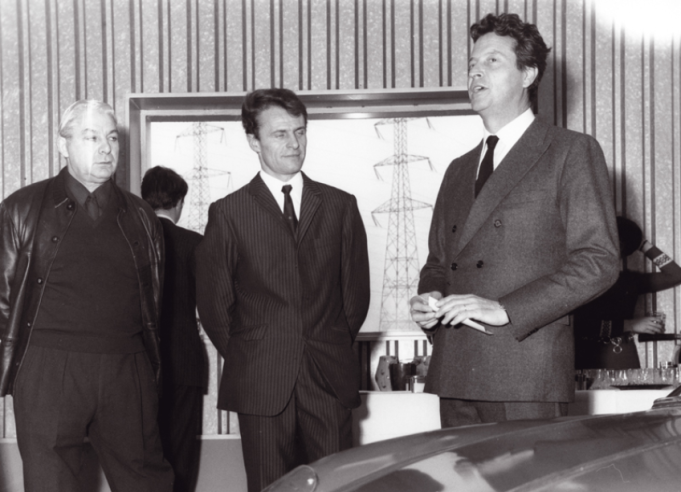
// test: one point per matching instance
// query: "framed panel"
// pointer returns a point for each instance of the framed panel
(388, 148)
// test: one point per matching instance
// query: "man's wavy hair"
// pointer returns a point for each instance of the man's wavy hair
(530, 49)
(259, 100)
(163, 188)
(76, 111)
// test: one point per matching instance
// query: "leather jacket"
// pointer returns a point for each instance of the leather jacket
(33, 220)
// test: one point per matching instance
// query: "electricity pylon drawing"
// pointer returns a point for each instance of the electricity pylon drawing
(199, 191)
(401, 270)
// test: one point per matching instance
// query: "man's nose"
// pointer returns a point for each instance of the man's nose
(105, 148)
(474, 72)
(293, 141)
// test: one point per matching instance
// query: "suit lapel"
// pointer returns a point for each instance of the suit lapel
(459, 203)
(522, 157)
(308, 206)
(263, 197)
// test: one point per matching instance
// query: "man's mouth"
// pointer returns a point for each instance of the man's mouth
(477, 88)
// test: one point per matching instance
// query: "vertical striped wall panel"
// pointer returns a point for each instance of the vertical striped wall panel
(603, 77)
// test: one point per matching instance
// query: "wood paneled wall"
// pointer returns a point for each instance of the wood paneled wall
(604, 78)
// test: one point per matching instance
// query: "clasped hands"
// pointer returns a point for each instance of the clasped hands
(455, 309)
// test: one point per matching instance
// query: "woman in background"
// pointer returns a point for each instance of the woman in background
(605, 327)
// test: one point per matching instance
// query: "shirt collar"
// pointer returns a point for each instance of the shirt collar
(79, 193)
(513, 130)
(160, 216)
(275, 184)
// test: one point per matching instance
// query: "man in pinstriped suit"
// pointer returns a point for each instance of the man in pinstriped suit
(282, 290)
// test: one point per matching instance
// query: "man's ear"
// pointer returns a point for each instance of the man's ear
(63, 149)
(253, 142)
(529, 76)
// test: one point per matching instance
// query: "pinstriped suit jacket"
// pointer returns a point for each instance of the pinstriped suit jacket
(540, 238)
(264, 297)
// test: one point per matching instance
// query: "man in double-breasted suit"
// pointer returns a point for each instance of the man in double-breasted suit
(523, 232)
(283, 289)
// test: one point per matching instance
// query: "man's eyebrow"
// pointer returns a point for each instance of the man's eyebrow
(487, 53)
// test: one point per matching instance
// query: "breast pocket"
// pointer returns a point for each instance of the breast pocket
(522, 199)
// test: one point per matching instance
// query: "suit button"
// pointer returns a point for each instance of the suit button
(497, 223)
(454, 228)
(480, 264)
(55, 239)
(40, 280)
(71, 206)
(454, 266)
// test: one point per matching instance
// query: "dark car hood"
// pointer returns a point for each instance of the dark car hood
(628, 452)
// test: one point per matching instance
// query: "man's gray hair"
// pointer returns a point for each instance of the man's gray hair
(76, 110)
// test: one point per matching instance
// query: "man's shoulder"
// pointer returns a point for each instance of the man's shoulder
(561, 134)
(27, 193)
(186, 234)
(137, 202)
(328, 191)
(236, 202)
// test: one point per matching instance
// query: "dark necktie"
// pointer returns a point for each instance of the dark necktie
(487, 165)
(92, 207)
(289, 211)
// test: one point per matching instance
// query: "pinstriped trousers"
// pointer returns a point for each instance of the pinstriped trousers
(313, 424)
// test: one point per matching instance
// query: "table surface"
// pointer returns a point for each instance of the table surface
(388, 414)
(602, 401)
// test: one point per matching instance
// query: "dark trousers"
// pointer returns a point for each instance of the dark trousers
(61, 397)
(455, 412)
(314, 424)
(179, 420)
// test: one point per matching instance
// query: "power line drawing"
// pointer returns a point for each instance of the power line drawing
(401, 266)
(199, 186)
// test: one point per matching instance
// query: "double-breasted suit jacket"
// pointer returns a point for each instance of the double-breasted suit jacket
(541, 239)
(265, 297)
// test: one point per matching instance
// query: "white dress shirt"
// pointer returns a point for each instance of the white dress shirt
(508, 137)
(275, 186)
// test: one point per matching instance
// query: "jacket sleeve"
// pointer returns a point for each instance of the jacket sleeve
(591, 262)
(9, 249)
(355, 269)
(215, 258)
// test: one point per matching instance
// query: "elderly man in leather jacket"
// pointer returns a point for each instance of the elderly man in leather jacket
(80, 283)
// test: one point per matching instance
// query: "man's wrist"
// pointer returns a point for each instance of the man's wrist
(645, 246)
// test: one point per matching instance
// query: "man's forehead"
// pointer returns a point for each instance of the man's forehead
(277, 117)
(493, 43)
(93, 119)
